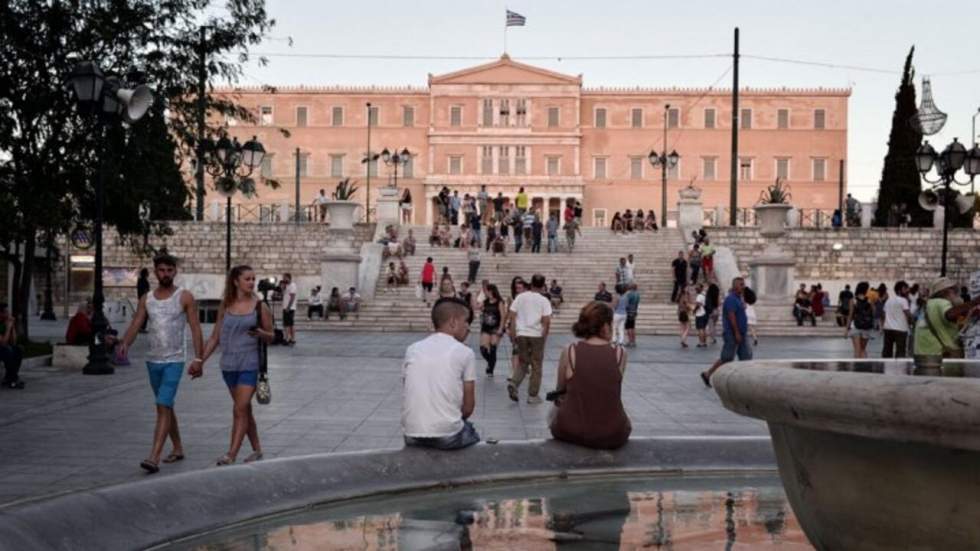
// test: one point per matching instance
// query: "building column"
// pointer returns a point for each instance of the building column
(428, 211)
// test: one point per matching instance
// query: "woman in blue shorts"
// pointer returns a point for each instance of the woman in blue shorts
(243, 320)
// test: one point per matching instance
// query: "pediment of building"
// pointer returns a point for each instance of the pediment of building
(505, 71)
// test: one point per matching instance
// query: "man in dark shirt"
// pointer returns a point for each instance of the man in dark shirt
(844, 305)
(603, 295)
(10, 353)
(537, 228)
(680, 275)
(734, 330)
(498, 207)
(143, 286)
(518, 234)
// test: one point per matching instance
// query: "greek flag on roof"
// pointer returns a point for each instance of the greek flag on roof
(515, 19)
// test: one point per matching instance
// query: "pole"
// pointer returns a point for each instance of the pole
(733, 199)
(367, 208)
(946, 201)
(840, 190)
(98, 363)
(663, 173)
(199, 150)
(228, 236)
(48, 313)
(297, 186)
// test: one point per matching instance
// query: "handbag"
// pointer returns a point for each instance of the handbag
(263, 391)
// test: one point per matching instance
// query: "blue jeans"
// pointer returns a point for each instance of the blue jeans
(466, 437)
(552, 243)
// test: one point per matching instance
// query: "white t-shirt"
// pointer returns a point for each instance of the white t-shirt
(628, 272)
(750, 316)
(322, 199)
(530, 307)
(701, 300)
(290, 290)
(895, 310)
(315, 300)
(434, 371)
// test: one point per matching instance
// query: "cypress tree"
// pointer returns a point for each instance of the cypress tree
(900, 183)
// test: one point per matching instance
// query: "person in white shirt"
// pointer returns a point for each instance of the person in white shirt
(351, 302)
(314, 305)
(630, 270)
(439, 377)
(701, 317)
(529, 321)
(896, 329)
(289, 300)
(321, 204)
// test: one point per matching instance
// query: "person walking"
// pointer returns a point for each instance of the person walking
(492, 314)
(290, 297)
(735, 328)
(701, 316)
(589, 408)
(518, 233)
(898, 312)
(536, 233)
(552, 229)
(679, 267)
(619, 315)
(406, 207)
(473, 256)
(454, 205)
(521, 201)
(530, 322)
(694, 261)
(684, 309)
(447, 289)
(632, 308)
(142, 288)
(860, 320)
(244, 323)
(11, 354)
(428, 279)
(712, 304)
(169, 309)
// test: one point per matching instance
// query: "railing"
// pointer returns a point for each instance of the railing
(745, 217)
(271, 213)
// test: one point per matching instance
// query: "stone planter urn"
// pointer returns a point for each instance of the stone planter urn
(341, 214)
(771, 218)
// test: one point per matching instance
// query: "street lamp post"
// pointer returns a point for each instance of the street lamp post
(664, 161)
(947, 163)
(106, 100)
(396, 159)
(231, 167)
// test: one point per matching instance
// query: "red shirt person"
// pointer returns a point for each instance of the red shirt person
(80, 331)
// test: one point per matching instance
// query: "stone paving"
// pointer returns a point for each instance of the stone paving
(333, 392)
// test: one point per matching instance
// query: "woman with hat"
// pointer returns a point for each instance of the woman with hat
(937, 335)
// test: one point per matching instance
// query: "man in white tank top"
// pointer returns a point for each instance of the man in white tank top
(168, 309)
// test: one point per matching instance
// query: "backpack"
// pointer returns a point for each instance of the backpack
(863, 315)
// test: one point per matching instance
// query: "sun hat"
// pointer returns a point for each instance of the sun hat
(941, 284)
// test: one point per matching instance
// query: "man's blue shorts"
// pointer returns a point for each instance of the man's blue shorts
(164, 378)
(730, 349)
(244, 378)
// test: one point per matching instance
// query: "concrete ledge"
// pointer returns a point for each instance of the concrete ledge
(160, 510)
(68, 356)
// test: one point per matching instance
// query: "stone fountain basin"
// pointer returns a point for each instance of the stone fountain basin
(872, 454)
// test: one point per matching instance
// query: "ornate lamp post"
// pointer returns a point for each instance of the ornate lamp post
(395, 160)
(664, 161)
(947, 163)
(105, 100)
(231, 167)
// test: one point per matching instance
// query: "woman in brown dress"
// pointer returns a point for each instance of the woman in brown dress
(589, 409)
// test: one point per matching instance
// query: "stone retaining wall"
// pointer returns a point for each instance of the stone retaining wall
(877, 254)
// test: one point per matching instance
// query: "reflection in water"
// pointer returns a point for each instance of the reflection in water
(949, 367)
(615, 514)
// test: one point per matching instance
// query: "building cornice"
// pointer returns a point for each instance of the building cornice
(328, 89)
(721, 92)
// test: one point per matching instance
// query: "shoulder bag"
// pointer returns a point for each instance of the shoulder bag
(263, 392)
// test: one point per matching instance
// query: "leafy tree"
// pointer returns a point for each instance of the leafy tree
(50, 155)
(900, 183)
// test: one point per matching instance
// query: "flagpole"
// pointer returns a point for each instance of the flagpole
(505, 29)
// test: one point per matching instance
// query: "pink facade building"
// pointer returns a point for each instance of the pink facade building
(507, 124)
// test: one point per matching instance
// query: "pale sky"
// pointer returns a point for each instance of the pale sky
(859, 33)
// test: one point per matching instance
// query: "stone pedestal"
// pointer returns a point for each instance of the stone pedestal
(341, 262)
(772, 218)
(387, 207)
(773, 275)
(868, 214)
(341, 215)
(690, 210)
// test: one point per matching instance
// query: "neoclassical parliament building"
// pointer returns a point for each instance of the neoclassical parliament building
(508, 125)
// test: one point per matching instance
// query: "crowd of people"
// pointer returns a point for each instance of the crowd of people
(628, 222)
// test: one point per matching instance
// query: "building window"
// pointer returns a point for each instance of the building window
(336, 166)
(486, 160)
(265, 117)
(819, 119)
(708, 168)
(553, 113)
(304, 164)
(267, 165)
(782, 119)
(503, 160)
(505, 112)
(673, 118)
(674, 172)
(599, 218)
(408, 116)
(554, 166)
(600, 117)
(487, 112)
(746, 119)
(521, 112)
(599, 168)
(456, 115)
(782, 168)
(373, 116)
(636, 168)
(636, 118)
(455, 164)
(337, 118)
(520, 160)
(745, 168)
(301, 117)
(409, 170)
(709, 117)
(819, 170)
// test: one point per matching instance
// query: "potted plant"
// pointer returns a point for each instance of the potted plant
(341, 207)
(772, 208)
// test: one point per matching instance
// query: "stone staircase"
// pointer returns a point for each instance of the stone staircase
(596, 255)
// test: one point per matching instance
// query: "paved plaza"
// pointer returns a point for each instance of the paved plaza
(333, 392)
